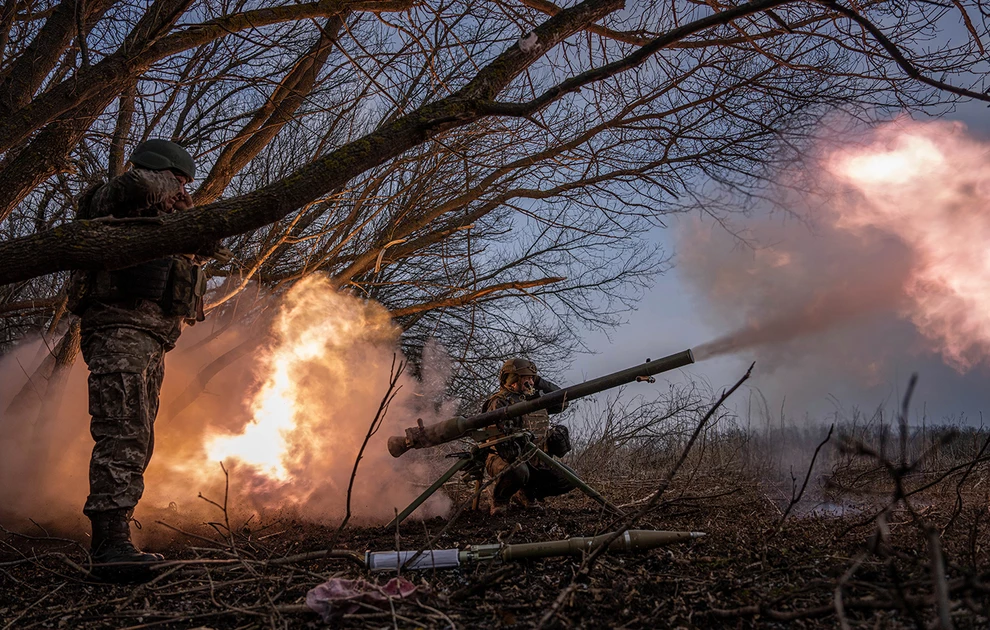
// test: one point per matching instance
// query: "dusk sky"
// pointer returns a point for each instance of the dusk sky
(815, 382)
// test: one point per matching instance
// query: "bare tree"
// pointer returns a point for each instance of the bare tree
(428, 155)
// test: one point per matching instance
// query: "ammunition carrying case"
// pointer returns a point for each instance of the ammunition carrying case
(558, 440)
(187, 285)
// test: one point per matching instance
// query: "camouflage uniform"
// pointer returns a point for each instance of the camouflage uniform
(129, 319)
(534, 477)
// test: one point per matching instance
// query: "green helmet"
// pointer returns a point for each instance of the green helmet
(160, 155)
(514, 368)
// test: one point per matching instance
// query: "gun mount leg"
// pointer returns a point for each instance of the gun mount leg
(577, 481)
(477, 495)
(418, 501)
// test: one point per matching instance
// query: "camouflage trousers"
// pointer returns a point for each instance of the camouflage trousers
(537, 481)
(126, 368)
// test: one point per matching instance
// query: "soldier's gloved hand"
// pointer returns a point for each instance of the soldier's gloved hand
(182, 201)
(223, 255)
(506, 426)
(509, 451)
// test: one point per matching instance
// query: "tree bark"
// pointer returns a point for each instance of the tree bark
(115, 244)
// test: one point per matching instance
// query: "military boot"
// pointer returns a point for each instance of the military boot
(521, 499)
(115, 558)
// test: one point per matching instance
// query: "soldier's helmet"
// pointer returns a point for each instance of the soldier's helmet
(514, 368)
(160, 155)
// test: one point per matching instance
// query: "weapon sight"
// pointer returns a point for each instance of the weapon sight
(422, 436)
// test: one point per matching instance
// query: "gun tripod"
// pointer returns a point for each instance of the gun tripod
(474, 461)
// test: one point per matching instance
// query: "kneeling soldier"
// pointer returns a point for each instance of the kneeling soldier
(532, 479)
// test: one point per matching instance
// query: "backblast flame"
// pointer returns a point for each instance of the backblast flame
(291, 444)
(287, 421)
(315, 333)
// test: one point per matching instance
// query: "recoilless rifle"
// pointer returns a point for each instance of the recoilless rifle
(421, 436)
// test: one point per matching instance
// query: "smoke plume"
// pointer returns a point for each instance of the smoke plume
(888, 267)
(285, 407)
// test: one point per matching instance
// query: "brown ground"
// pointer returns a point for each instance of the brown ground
(744, 574)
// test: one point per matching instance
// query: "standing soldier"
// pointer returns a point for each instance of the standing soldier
(533, 479)
(129, 319)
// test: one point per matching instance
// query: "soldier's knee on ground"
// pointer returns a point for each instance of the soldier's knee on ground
(548, 483)
(520, 475)
(512, 479)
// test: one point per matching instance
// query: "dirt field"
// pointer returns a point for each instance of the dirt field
(747, 572)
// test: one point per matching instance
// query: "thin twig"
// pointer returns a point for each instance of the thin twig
(589, 562)
(797, 498)
(376, 424)
(25, 611)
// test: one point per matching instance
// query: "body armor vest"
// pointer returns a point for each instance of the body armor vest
(537, 423)
(174, 283)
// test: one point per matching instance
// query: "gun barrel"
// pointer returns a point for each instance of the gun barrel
(448, 430)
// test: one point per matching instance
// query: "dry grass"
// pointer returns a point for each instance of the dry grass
(888, 533)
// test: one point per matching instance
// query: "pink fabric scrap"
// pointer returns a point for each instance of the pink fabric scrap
(337, 597)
